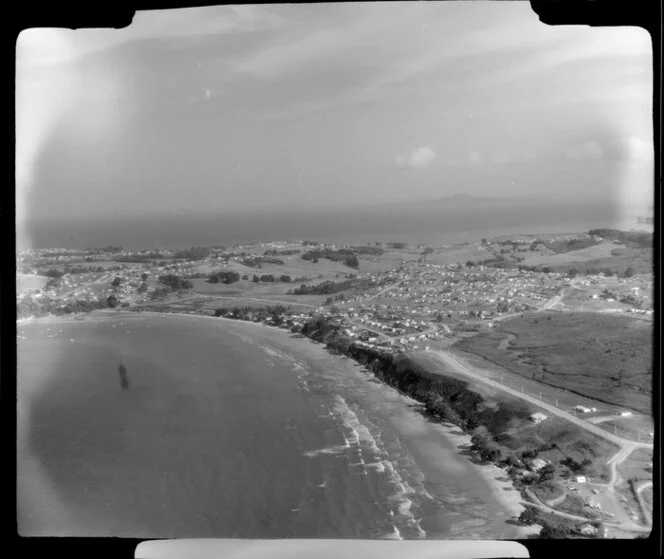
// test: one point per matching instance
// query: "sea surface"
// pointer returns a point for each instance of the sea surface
(226, 431)
(435, 226)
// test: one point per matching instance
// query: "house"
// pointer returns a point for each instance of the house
(581, 479)
(537, 417)
(537, 464)
(582, 409)
(625, 414)
(587, 530)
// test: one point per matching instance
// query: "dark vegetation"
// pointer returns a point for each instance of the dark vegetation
(193, 253)
(563, 246)
(175, 283)
(258, 261)
(286, 252)
(368, 250)
(341, 255)
(42, 307)
(553, 527)
(140, 258)
(224, 277)
(634, 239)
(327, 287)
(275, 313)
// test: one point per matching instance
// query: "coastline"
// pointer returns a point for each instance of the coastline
(501, 495)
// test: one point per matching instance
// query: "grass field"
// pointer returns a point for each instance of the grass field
(637, 465)
(618, 259)
(595, 355)
(601, 250)
(26, 282)
(459, 254)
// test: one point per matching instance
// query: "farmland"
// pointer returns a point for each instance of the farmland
(595, 355)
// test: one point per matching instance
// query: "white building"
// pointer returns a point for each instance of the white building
(537, 417)
(582, 409)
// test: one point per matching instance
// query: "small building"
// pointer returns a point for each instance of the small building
(537, 464)
(582, 409)
(537, 417)
(581, 479)
(625, 414)
(587, 530)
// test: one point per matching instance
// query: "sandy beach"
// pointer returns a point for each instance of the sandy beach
(434, 447)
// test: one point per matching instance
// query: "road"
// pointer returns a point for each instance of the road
(383, 291)
(461, 366)
(626, 447)
(646, 512)
(631, 527)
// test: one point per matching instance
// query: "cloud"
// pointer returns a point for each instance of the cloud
(420, 158)
(45, 46)
(586, 150)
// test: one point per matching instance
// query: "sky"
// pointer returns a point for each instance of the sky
(264, 107)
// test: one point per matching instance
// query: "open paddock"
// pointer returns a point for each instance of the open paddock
(597, 356)
(602, 250)
(27, 282)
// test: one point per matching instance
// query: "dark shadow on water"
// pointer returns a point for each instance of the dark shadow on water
(86, 431)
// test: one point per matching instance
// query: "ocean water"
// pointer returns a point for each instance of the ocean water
(222, 433)
(433, 225)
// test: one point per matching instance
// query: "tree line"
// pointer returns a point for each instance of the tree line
(341, 255)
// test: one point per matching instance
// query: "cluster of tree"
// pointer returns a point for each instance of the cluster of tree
(285, 252)
(275, 312)
(30, 307)
(576, 466)
(444, 396)
(309, 243)
(639, 239)
(224, 277)
(325, 288)
(159, 293)
(193, 253)
(55, 273)
(258, 261)
(271, 278)
(140, 258)
(175, 282)
(396, 245)
(332, 300)
(629, 299)
(370, 250)
(341, 255)
(102, 250)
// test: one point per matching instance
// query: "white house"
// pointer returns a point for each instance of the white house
(537, 417)
(582, 409)
(537, 464)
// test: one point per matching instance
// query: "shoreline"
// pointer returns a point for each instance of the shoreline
(502, 490)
